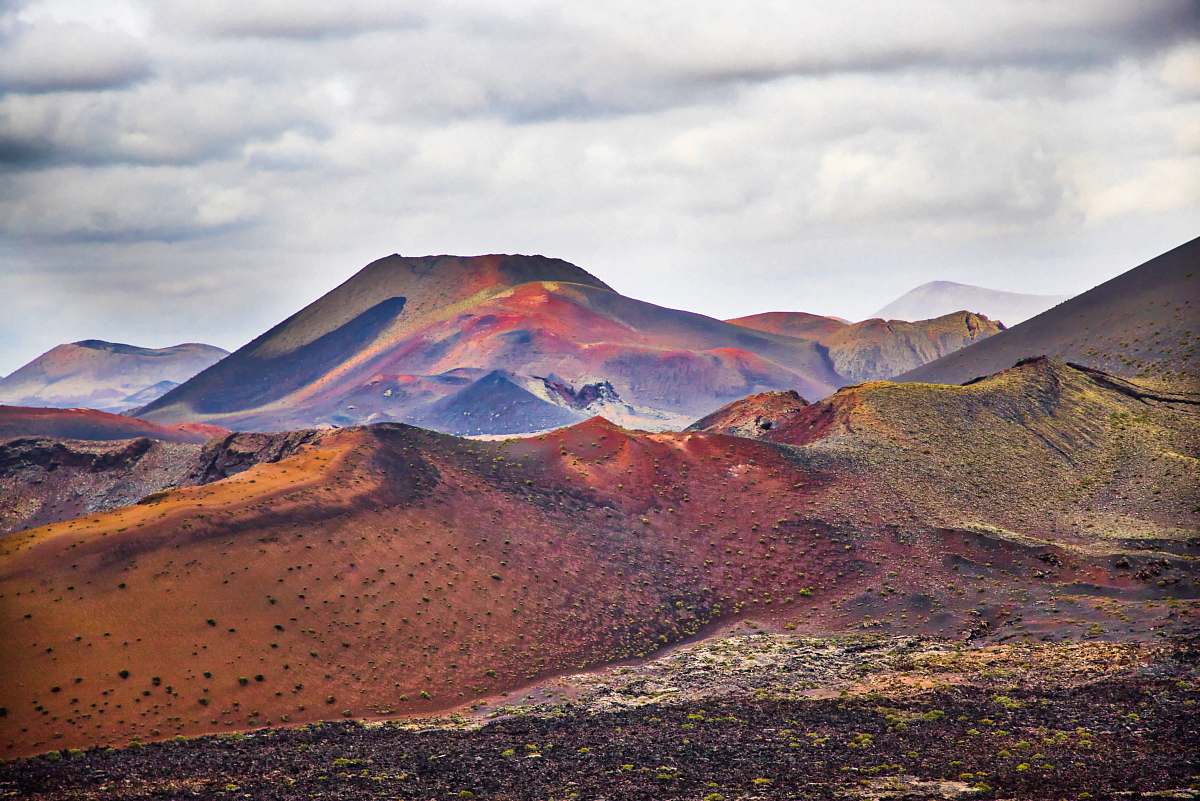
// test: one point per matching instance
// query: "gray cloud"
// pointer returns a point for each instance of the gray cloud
(694, 154)
(289, 19)
(68, 58)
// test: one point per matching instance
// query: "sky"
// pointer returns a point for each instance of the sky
(176, 171)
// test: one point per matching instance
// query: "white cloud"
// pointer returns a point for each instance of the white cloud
(1181, 69)
(120, 203)
(695, 154)
(288, 19)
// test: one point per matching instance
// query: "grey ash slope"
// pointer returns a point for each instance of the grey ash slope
(495, 404)
(1144, 322)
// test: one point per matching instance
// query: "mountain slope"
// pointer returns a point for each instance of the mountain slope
(388, 570)
(1141, 323)
(942, 297)
(104, 375)
(874, 349)
(398, 337)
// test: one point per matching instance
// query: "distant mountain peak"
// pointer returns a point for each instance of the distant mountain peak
(938, 298)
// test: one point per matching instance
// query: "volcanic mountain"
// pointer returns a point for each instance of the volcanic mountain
(1144, 322)
(874, 349)
(938, 298)
(105, 375)
(389, 570)
(406, 333)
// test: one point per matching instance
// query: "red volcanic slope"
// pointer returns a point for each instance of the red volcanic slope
(20, 421)
(346, 362)
(389, 570)
(653, 356)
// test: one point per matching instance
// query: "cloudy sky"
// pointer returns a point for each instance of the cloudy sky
(173, 170)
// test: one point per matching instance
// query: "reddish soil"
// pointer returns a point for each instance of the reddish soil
(391, 571)
(27, 421)
(792, 324)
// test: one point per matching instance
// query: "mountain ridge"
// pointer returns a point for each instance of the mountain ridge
(875, 349)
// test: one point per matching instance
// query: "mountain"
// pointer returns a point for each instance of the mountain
(1141, 323)
(148, 394)
(937, 298)
(874, 349)
(104, 375)
(404, 334)
(387, 570)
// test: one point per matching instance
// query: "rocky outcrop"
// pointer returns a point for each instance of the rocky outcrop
(45, 480)
(586, 397)
(237, 452)
(752, 417)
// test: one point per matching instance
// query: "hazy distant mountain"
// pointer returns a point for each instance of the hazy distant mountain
(1141, 323)
(404, 335)
(104, 375)
(942, 297)
(875, 349)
